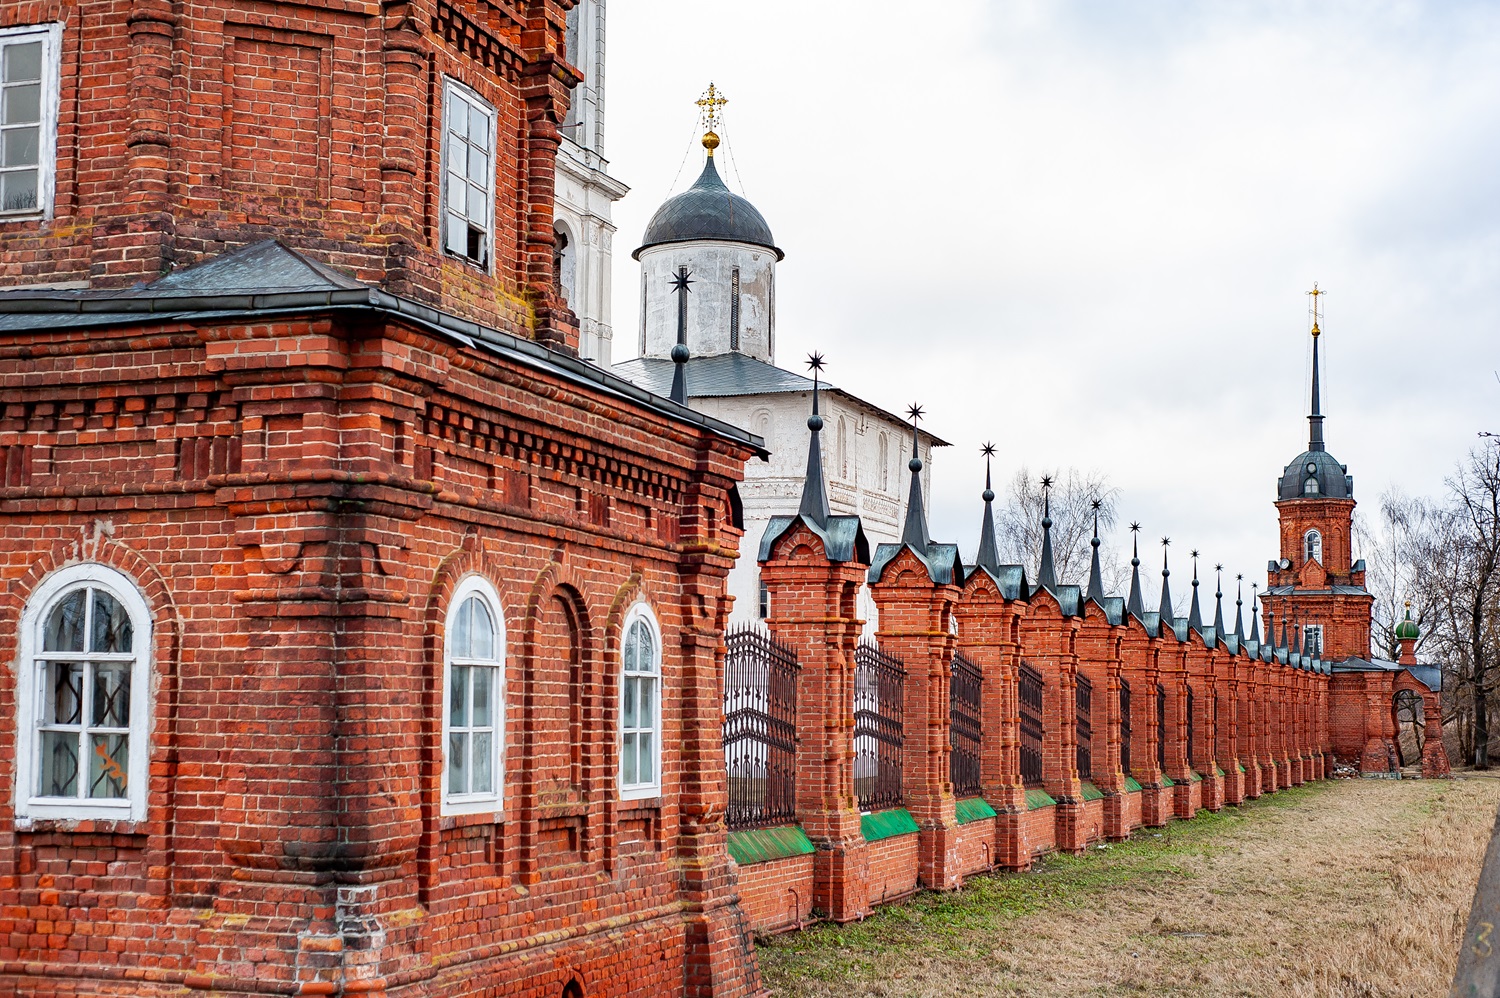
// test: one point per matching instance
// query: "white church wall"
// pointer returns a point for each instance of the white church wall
(711, 298)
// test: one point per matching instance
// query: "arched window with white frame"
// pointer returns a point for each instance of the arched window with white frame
(640, 705)
(84, 698)
(474, 685)
(1312, 546)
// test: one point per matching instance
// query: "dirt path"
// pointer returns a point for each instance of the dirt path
(1348, 888)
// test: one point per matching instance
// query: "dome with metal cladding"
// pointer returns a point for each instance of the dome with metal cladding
(1315, 474)
(708, 210)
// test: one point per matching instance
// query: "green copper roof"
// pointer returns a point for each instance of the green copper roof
(1131, 784)
(972, 809)
(887, 824)
(1091, 792)
(1038, 798)
(759, 845)
(1407, 629)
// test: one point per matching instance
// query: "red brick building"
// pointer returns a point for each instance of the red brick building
(359, 638)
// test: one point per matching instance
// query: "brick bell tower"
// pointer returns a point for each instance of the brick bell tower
(1315, 585)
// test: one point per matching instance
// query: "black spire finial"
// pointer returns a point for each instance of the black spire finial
(1296, 646)
(1135, 604)
(1239, 607)
(1284, 642)
(1315, 419)
(1165, 610)
(1195, 616)
(915, 531)
(814, 493)
(680, 349)
(1255, 613)
(1046, 575)
(989, 552)
(1219, 601)
(1096, 578)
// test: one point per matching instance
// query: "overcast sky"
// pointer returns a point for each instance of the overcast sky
(1085, 230)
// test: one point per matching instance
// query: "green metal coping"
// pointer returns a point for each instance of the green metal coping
(887, 824)
(1131, 784)
(1167, 781)
(972, 809)
(1218, 771)
(1197, 776)
(1091, 792)
(1242, 767)
(760, 845)
(1038, 798)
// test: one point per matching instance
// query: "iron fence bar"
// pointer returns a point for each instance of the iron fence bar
(964, 727)
(879, 727)
(1084, 726)
(1029, 695)
(760, 729)
(1125, 727)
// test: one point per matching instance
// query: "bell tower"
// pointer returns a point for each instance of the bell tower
(1315, 585)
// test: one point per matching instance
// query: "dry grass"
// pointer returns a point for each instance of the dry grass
(1348, 888)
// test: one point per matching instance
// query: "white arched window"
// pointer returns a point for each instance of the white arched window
(84, 698)
(640, 705)
(474, 720)
(1312, 545)
(1310, 487)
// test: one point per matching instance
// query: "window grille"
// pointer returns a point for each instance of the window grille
(734, 309)
(469, 175)
(1192, 747)
(1125, 727)
(879, 727)
(964, 727)
(1161, 728)
(1084, 725)
(1029, 695)
(760, 729)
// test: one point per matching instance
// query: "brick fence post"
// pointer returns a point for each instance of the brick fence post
(812, 604)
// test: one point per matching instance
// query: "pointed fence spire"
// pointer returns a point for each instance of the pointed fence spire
(1096, 577)
(1284, 643)
(1195, 616)
(680, 352)
(1135, 604)
(1219, 601)
(1296, 645)
(814, 492)
(1239, 607)
(1255, 612)
(1165, 610)
(988, 557)
(915, 531)
(1046, 575)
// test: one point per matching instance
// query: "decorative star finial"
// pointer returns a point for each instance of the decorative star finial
(1165, 541)
(1193, 554)
(680, 282)
(987, 450)
(815, 361)
(1096, 504)
(1046, 481)
(1240, 577)
(914, 412)
(1135, 526)
(1219, 567)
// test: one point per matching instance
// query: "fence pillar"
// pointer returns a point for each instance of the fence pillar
(812, 611)
(916, 618)
(1205, 760)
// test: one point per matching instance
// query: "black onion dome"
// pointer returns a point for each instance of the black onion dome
(1332, 478)
(708, 210)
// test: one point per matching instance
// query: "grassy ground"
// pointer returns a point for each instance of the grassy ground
(1349, 888)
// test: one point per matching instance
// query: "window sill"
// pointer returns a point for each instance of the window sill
(652, 802)
(81, 826)
(449, 822)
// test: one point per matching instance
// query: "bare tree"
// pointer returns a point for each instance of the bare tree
(1395, 544)
(1018, 522)
(1462, 573)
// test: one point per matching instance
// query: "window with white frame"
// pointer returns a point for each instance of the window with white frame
(640, 706)
(1313, 546)
(474, 680)
(28, 118)
(469, 174)
(83, 703)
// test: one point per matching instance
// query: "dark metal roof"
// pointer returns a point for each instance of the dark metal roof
(708, 210)
(1430, 676)
(1330, 591)
(943, 565)
(1334, 481)
(1009, 579)
(843, 537)
(267, 279)
(729, 375)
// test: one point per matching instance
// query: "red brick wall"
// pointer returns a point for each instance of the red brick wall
(893, 867)
(778, 894)
(1041, 830)
(187, 128)
(976, 846)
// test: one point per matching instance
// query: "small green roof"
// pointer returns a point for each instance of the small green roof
(1407, 630)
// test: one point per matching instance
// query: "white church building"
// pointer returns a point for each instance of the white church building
(726, 247)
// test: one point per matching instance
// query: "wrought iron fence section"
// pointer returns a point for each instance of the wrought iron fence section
(760, 729)
(879, 726)
(1124, 727)
(1161, 728)
(1029, 695)
(964, 727)
(1192, 755)
(1084, 726)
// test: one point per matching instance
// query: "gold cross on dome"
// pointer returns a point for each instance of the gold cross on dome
(1316, 294)
(709, 105)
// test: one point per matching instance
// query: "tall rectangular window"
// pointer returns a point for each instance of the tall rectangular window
(28, 118)
(1312, 640)
(734, 309)
(469, 174)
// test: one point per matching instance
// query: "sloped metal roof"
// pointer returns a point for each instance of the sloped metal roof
(708, 210)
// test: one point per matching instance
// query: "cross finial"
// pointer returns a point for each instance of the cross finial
(1316, 294)
(709, 106)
